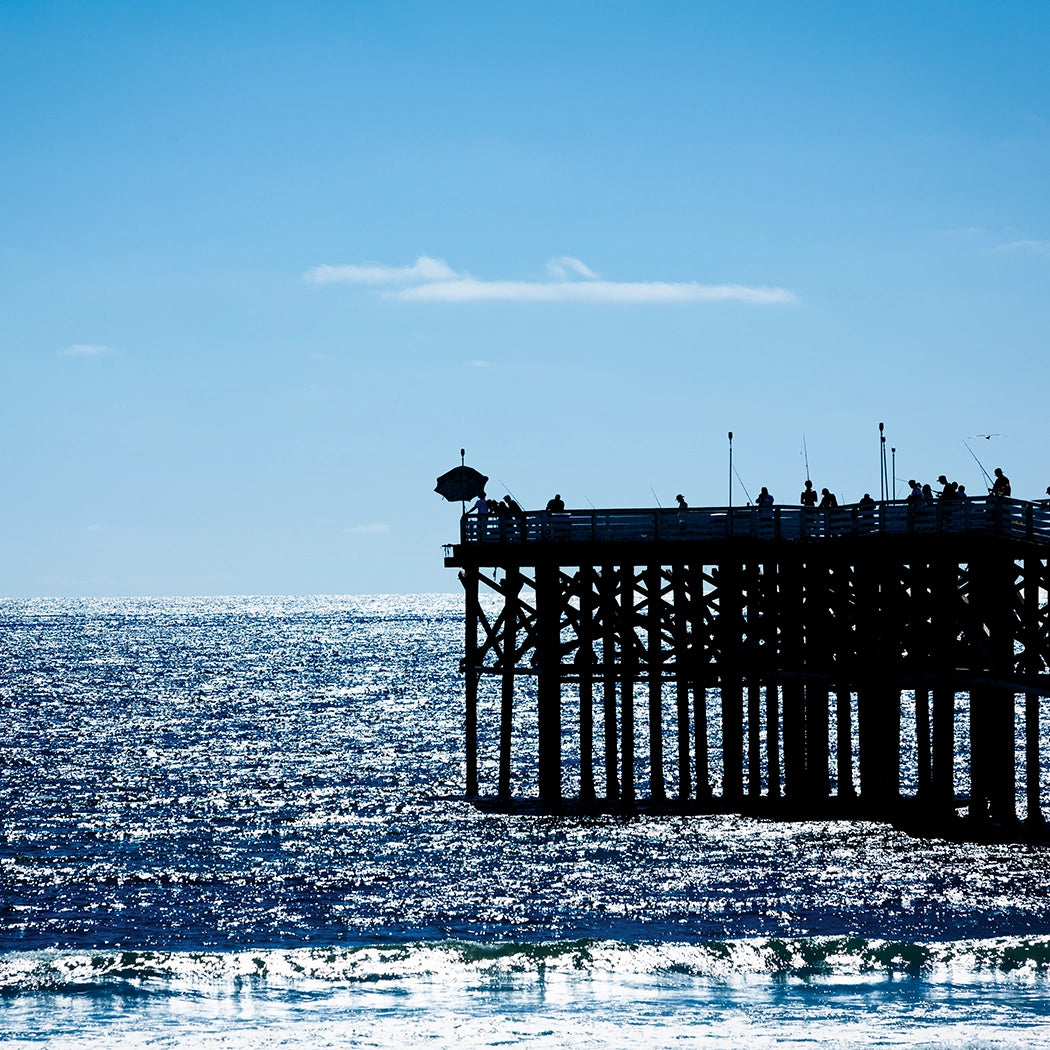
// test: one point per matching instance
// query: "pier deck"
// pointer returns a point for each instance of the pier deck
(862, 660)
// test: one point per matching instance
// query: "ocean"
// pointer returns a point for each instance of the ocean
(239, 822)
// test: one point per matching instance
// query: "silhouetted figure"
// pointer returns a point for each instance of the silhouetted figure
(682, 505)
(1001, 485)
(556, 504)
(513, 507)
(481, 508)
(961, 492)
(948, 488)
(827, 499)
(927, 494)
(915, 491)
(866, 501)
(809, 495)
(764, 498)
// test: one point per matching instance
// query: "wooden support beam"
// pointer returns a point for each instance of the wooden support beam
(846, 790)
(699, 675)
(680, 628)
(771, 631)
(944, 602)
(753, 660)
(817, 628)
(654, 659)
(470, 664)
(548, 685)
(628, 675)
(993, 771)
(792, 659)
(585, 669)
(730, 631)
(512, 588)
(918, 647)
(608, 583)
(1032, 663)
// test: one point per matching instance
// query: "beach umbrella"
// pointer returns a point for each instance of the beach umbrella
(461, 483)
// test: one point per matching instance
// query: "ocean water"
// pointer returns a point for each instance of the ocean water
(238, 823)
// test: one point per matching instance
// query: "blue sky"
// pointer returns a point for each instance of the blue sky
(268, 267)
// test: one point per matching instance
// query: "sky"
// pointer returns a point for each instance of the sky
(267, 267)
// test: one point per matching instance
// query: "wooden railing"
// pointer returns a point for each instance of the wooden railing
(993, 515)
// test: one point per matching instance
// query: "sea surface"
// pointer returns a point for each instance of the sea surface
(239, 822)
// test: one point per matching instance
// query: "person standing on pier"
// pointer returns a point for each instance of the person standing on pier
(556, 504)
(1001, 485)
(765, 499)
(809, 495)
(827, 499)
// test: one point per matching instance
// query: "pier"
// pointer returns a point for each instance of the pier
(884, 661)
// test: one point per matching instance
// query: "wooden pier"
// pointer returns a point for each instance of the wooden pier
(859, 661)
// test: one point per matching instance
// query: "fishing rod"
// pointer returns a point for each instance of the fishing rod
(805, 454)
(508, 490)
(656, 497)
(987, 477)
(742, 485)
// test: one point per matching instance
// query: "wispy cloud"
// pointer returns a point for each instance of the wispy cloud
(568, 264)
(1035, 247)
(372, 529)
(569, 280)
(86, 350)
(423, 269)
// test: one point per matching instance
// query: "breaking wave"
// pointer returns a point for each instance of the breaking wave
(803, 959)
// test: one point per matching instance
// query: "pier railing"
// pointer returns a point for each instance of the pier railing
(993, 515)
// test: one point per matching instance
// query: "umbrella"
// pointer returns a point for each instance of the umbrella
(461, 483)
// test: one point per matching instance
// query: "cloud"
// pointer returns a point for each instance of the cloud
(469, 290)
(1036, 247)
(433, 280)
(86, 350)
(568, 264)
(423, 269)
(373, 529)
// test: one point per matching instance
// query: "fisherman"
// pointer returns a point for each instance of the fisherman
(827, 499)
(481, 507)
(682, 505)
(866, 501)
(809, 495)
(915, 491)
(1001, 485)
(947, 488)
(513, 508)
(556, 505)
(765, 499)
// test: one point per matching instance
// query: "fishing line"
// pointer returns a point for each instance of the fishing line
(987, 477)
(742, 485)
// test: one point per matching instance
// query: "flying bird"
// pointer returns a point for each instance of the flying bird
(986, 436)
